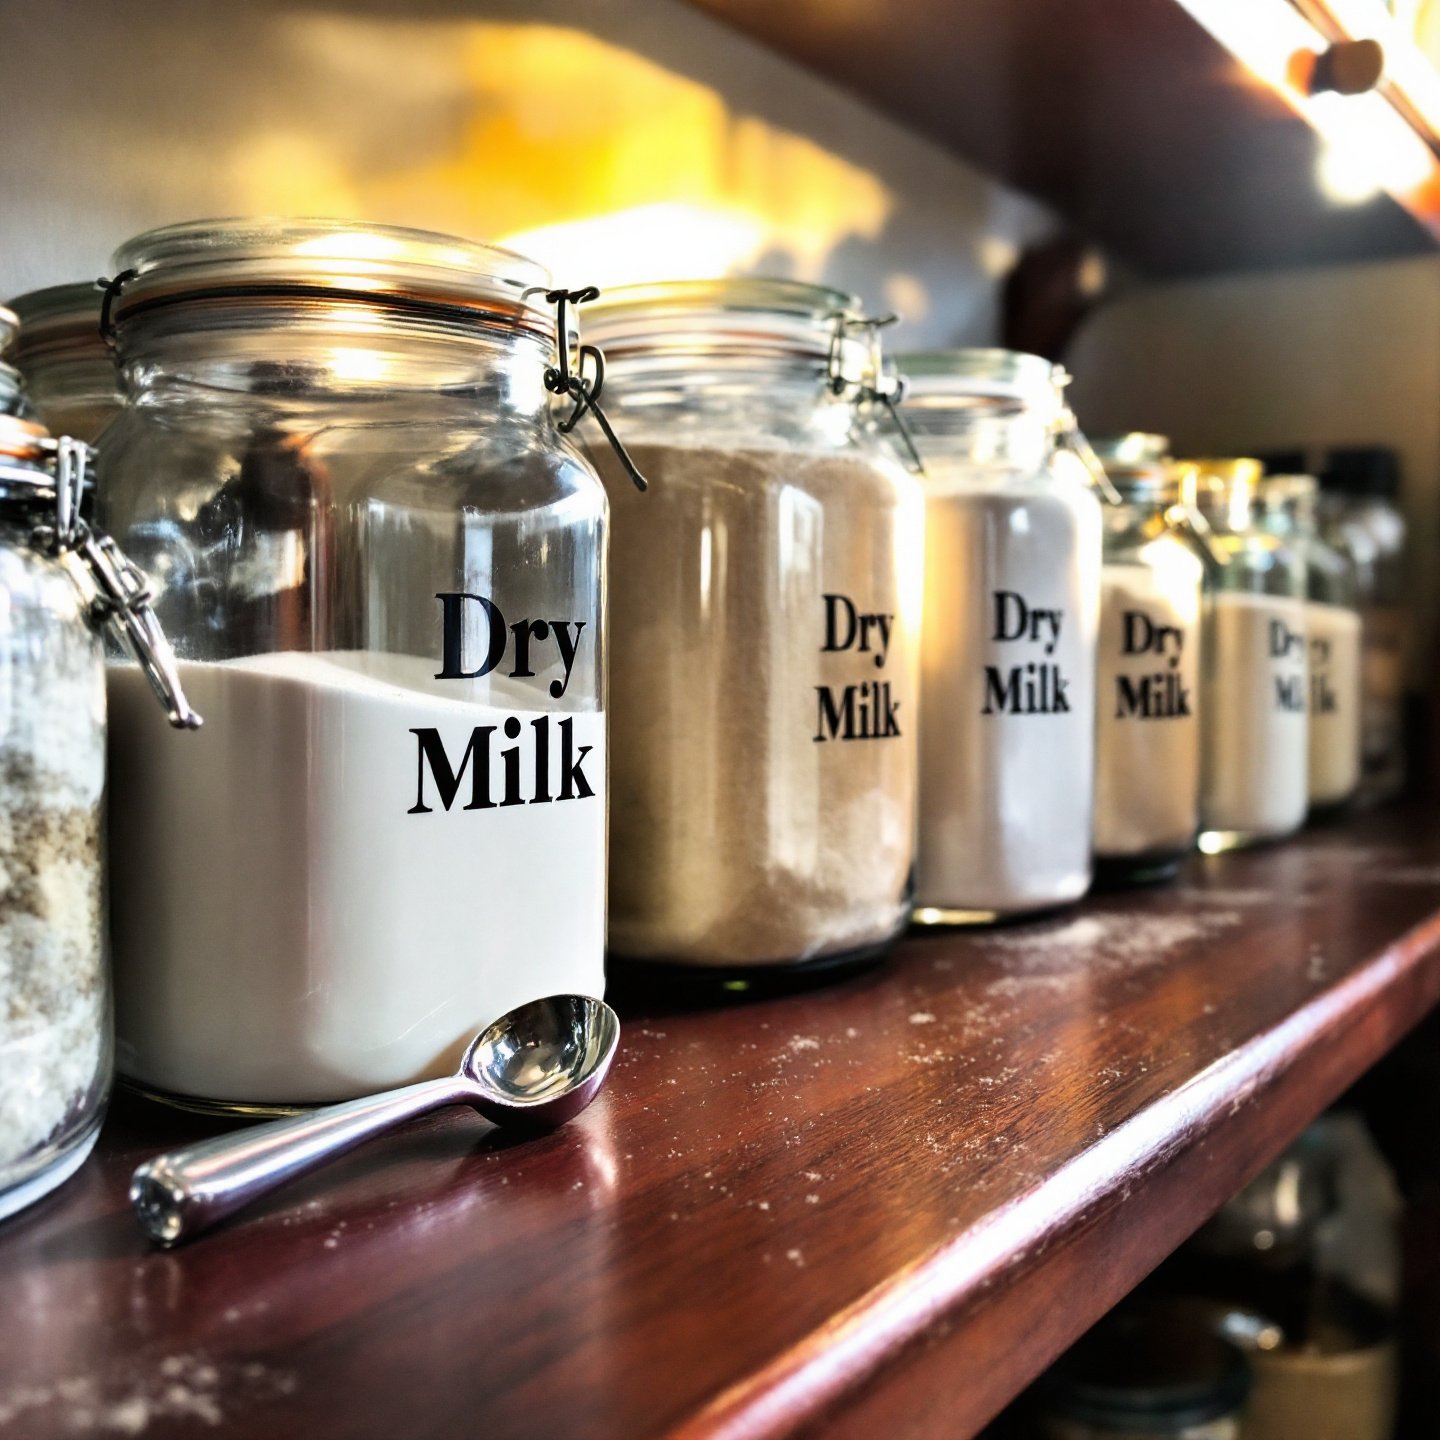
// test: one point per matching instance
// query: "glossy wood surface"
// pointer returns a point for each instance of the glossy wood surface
(1126, 116)
(875, 1209)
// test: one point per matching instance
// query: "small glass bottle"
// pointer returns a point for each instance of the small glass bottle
(67, 367)
(765, 615)
(383, 569)
(1147, 754)
(1254, 776)
(1012, 601)
(62, 586)
(1333, 642)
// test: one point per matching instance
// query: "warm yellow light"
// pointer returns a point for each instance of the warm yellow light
(605, 164)
(664, 241)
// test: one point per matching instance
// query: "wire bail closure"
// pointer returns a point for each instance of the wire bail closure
(583, 388)
(121, 605)
(884, 388)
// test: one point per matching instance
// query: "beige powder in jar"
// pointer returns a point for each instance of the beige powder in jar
(745, 829)
(1147, 754)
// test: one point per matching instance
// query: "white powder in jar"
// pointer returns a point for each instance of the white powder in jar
(288, 927)
(54, 1012)
(1335, 718)
(763, 785)
(1255, 723)
(1007, 734)
(1147, 767)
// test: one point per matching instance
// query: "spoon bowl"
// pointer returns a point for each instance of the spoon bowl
(536, 1067)
(543, 1063)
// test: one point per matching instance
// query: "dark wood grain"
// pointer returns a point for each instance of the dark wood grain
(879, 1208)
(1124, 115)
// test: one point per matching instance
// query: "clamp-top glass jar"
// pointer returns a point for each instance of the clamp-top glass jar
(60, 585)
(1254, 783)
(1147, 719)
(1012, 599)
(1332, 626)
(383, 571)
(765, 614)
(68, 369)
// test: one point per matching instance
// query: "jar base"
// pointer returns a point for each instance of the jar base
(1220, 842)
(1122, 872)
(224, 1109)
(635, 980)
(950, 917)
(56, 1173)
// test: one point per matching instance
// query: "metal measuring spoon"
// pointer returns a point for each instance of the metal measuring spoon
(534, 1068)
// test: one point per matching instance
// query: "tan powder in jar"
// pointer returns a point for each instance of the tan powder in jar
(739, 838)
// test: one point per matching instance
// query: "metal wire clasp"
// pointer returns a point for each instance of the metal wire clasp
(884, 387)
(583, 388)
(1068, 434)
(121, 603)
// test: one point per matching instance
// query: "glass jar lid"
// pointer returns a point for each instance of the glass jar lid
(1291, 498)
(742, 317)
(1223, 490)
(328, 260)
(987, 380)
(9, 324)
(58, 317)
(1138, 464)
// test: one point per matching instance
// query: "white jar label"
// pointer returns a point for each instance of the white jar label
(350, 869)
(1334, 634)
(1256, 721)
(1147, 774)
(866, 709)
(1026, 687)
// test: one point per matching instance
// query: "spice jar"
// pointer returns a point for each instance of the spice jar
(765, 604)
(1332, 628)
(61, 586)
(1151, 1371)
(68, 368)
(1012, 598)
(1254, 782)
(1147, 718)
(383, 569)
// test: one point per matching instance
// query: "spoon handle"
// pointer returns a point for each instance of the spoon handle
(179, 1194)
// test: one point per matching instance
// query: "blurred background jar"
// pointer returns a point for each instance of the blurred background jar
(1012, 592)
(1332, 625)
(383, 570)
(1360, 516)
(67, 366)
(1151, 1370)
(1254, 768)
(765, 615)
(1147, 719)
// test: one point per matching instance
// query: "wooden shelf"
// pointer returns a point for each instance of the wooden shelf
(877, 1208)
(1127, 116)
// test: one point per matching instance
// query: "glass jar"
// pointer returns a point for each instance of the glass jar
(13, 400)
(55, 1034)
(1012, 601)
(383, 570)
(1361, 517)
(1151, 1371)
(1147, 721)
(1332, 626)
(1254, 783)
(765, 607)
(68, 368)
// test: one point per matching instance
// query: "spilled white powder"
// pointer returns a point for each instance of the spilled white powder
(184, 1387)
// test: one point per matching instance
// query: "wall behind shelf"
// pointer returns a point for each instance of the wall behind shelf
(488, 118)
